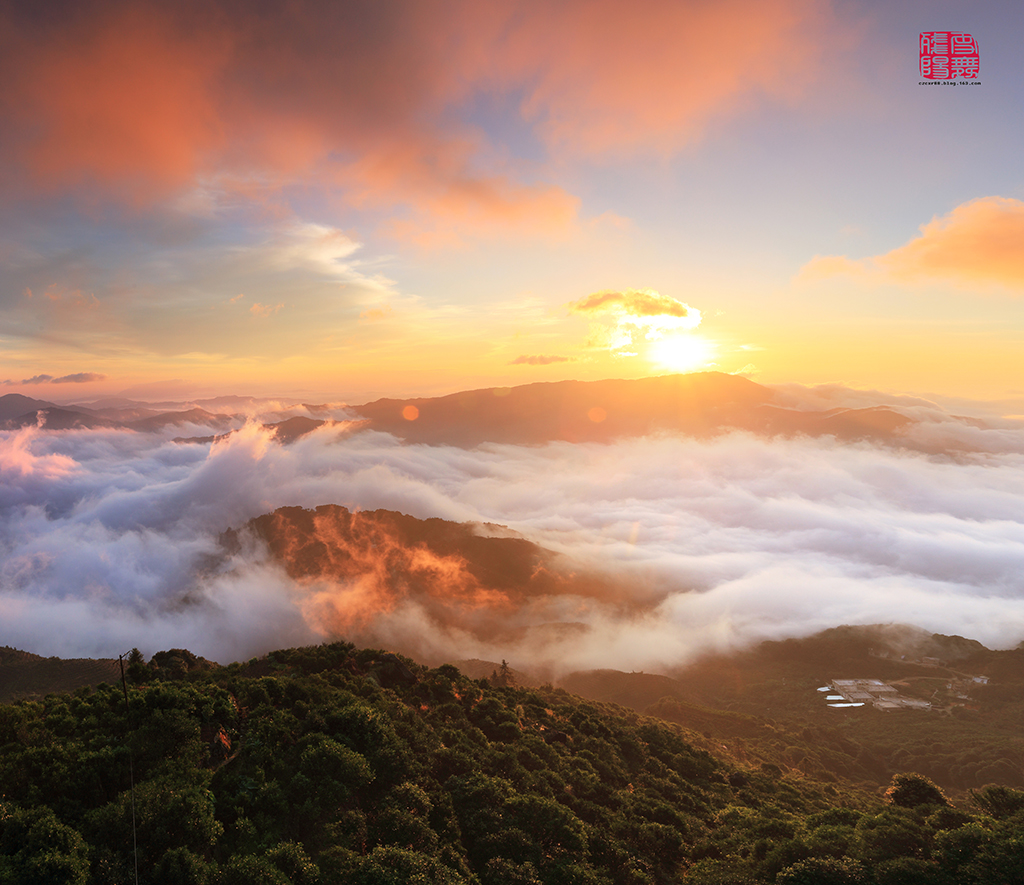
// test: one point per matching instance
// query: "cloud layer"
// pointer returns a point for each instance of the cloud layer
(110, 541)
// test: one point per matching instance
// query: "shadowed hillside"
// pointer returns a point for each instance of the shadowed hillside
(27, 675)
(764, 705)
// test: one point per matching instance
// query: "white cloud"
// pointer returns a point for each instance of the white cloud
(108, 539)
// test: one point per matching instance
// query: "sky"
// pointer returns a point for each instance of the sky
(347, 200)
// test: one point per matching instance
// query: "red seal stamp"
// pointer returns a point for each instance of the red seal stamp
(949, 55)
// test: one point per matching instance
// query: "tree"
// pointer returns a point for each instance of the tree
(502, 871)
(179, 866)
(893, 833)
(912, 790)
(823, 871)
(998, 801)
(137, 669)
(911, 871)
(36, 848)
(388, 865)
(506, 678)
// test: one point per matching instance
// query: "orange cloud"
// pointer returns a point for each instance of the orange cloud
(450, 199)
(981, 241)
(143, 100)
(635, 303)
(822, 267)
(121, 97)
(649, 77)
(264, 310)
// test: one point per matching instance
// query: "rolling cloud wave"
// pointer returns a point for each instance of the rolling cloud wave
(110, 540)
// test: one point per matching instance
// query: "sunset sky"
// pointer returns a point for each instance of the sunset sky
(349, 200)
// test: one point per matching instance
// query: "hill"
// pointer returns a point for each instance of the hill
(470, 577)
(14, 405)
(335, 764)
(699, 404)
(285, 432)
(55, 418)
(763, 702)
(762, 706)
(24, 675)
(765, 706)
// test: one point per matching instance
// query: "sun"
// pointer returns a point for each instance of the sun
(681, 352)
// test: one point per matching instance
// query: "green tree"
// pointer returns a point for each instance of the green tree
(248, 869)
(912, 790)
(824, 871)
(502, 871)
(998, 801)
(400, 866)
(179, 866)
(174, 810)
(37, 849)
(891, 834)
(957, 848)
(911, 871)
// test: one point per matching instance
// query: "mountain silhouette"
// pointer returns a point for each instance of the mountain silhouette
(699, 404)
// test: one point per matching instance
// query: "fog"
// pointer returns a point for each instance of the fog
(110, 540)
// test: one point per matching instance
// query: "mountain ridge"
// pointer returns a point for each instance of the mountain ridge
(698, 404)
(701, 405)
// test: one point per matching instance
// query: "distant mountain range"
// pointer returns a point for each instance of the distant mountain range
(21, 411)
(699, 404)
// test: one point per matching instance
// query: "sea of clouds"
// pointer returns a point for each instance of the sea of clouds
(109, 539)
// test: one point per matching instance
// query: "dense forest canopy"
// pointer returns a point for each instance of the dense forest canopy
(334, 764)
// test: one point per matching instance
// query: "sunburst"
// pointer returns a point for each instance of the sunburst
(681, 352)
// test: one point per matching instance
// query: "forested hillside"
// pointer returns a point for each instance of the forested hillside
(333, 764)
(762, 705)
(23, 673)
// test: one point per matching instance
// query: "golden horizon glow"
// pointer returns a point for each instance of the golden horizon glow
(685, 352)
(235, 202)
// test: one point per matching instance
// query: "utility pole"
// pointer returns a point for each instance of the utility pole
(131, 768)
